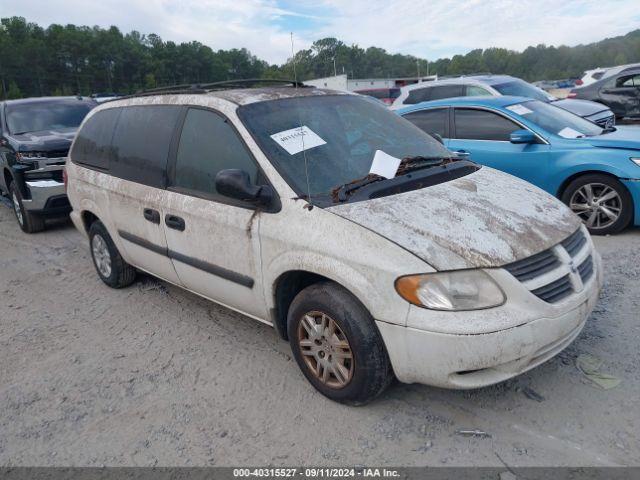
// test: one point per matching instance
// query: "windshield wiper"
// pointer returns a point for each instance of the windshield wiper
(342, 193)
(409, 164)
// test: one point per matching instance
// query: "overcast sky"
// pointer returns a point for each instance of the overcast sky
(427, 28)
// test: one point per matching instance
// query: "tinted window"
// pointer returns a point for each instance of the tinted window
(46, 115)
(209, 144)
(141, 143)
(418, 95)
(430, 121)
(482, 125)
(446, 91)
(93, 143)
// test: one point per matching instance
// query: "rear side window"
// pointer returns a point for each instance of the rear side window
(628, 81)
(141, 143)
(93, 146)
(446, 91)
(476, 91)
(207, 145)
(482, 125)
(430, 121)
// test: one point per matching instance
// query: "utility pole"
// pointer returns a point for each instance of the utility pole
(335, 72)
(418, 66)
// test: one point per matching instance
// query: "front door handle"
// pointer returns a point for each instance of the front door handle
(152, 215)
(174, 222)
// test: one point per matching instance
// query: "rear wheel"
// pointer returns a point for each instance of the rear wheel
(29, 222)
(111, 267)
(337, 345)
(603, 203)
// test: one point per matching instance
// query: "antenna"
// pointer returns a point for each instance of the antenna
(304, 153)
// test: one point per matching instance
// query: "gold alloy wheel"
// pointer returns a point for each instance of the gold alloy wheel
(325, 349)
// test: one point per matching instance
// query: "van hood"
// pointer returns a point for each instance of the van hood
(624, 137)
(483, 220)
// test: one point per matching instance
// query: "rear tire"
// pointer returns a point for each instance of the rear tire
(111, 267)
(602, 202)
(29, 222)
(331, 331)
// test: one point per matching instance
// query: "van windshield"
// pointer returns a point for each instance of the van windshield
(341, 134)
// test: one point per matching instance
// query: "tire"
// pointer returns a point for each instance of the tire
(358, 379)
(594, 214)
(111, 267)
(29, 222)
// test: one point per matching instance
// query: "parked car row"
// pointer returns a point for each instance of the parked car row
(368, 240)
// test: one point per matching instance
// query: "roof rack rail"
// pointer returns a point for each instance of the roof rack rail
(209, 87)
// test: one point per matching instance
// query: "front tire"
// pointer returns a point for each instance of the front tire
(29, 222)
(337, 345)
(111, 267)
(602, 202)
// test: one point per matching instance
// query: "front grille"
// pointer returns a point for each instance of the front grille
(607, 122)
(555, 291)
(56, 153)
(586, 269)
(551, 275)
(574, 243)
(533, 266)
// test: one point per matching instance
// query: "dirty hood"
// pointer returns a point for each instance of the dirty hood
(486, 219)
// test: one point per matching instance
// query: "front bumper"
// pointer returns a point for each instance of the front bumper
(472, 360)
(47, 197)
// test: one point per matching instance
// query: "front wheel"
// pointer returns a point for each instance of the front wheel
(337, 345)
(29, 222)
(603, 203)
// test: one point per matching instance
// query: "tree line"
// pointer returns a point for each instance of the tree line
(70, 59)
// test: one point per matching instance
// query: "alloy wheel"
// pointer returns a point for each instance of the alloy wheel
(598, 205)
(325, 349)
(101, 255)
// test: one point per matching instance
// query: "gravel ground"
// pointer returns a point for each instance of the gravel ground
(153, 375)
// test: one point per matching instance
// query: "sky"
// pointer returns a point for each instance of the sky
(429, 29)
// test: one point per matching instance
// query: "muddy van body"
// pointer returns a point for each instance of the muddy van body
(277, 202)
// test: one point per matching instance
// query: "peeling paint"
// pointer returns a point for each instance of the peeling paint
(486, 219)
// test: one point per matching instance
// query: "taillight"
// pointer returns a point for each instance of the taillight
(65, 179)
(579, 82)
(572, 95)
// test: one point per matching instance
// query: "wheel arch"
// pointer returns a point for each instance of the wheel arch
(565, 183)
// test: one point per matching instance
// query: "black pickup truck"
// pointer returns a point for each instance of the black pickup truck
(35, 136)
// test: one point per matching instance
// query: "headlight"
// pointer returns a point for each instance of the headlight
(29, 156)
(455, 290)
(635, 160)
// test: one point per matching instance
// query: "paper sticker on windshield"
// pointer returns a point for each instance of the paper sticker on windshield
(567, 132)
(298, 139)
(384, 164)
(519, 109)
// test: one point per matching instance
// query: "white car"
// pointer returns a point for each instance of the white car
(592, 76)
(355, 234)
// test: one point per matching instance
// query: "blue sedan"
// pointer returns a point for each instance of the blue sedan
(595, 171)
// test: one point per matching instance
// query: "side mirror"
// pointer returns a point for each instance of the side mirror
(234, 183)
(522, 136)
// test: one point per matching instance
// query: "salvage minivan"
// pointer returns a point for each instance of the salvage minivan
(359, 237)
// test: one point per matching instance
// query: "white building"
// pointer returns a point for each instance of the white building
(341, 82)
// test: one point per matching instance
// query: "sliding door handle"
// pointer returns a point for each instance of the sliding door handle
(152, 215)
(174, 222)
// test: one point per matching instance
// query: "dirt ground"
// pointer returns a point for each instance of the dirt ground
(153, 375)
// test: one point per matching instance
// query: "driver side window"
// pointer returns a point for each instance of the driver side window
(207, 145)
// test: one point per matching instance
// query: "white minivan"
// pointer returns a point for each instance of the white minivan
(360, 238)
